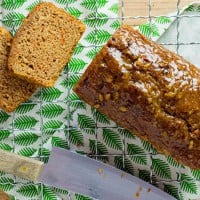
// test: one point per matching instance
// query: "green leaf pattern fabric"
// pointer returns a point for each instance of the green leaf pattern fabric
(57, 117)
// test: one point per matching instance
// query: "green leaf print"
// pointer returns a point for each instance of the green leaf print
(76, 64)
(76, 137)
(48, 193)
(51, 126)
(114, 8)
(148, 147)
(8, 19)
(161, 168)
(65, 83)
(112, 139)
(93, 5)
(126, 133)
(65, 1)
(137, 154)
(115, 25)
(59, 142)
(28, 190)
(76, 102)
(196, 174)
(87, 123)
(5, 147)
(26, 138)
(51, 110)
(163, 20)
(172, 190)
(25, 122)
(3, 116)
(98, 148)
(6, 184)
(49, 94)
(198, 8)
(44, 153)
(98, 37)
(32, 5)
(74, 97)
(173, 162)
(96, 19)
(79, 48)
(4, 134)
(93, 147)
(188, 184)
(190, 8)
(123, 164)
(99, 117)
(93, 52)
(27, 151)
(81, 197)
(69, 116)
(24, 108)
(81, 152)
(74, 11)
(2, 173)
(61, 191)
(149, 30)
(101, 148)
(71, 81)
(146, 176)
(12, 4)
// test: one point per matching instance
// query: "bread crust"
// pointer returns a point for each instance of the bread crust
(44, 44)
(3, 195)
(13, 91)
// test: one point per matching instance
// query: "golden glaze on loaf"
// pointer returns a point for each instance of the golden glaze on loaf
(149, 90)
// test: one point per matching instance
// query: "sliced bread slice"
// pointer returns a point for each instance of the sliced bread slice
(13, 91)
(44, 44)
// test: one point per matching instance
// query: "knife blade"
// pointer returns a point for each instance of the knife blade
(81, 174)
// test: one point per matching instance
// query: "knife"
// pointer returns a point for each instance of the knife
(81, 174)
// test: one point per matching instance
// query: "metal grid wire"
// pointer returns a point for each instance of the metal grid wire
(67, 128)
(150, 17)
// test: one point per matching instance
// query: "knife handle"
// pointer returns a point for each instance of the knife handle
(21, 166)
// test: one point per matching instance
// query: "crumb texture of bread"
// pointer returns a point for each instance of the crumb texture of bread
(13, 91)
(148, 90)
(44, 44)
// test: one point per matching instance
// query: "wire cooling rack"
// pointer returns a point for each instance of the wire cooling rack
(150, 17)
(178, 15)
(176, 180)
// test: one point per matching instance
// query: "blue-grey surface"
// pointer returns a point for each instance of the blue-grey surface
(189, 32)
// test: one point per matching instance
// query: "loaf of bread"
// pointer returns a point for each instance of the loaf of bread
(148, 90)
(44, 44)
(13, 90)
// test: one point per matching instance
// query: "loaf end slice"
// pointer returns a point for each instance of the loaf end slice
(148, 90)
(13, 91)
(44, 44)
